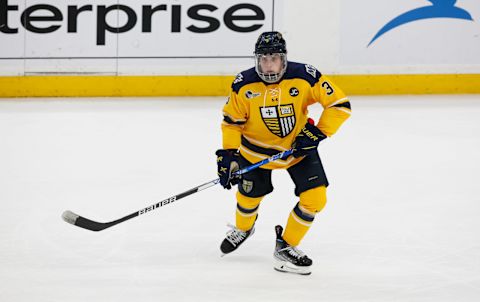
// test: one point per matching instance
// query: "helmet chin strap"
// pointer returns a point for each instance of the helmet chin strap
(270, 77)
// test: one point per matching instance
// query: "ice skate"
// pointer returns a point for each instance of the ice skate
(234, 239)
(290, 259)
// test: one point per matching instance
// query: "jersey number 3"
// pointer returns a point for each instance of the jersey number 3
(328, 88)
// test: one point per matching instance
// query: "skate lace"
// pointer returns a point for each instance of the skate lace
(235, 236)
(293, 251)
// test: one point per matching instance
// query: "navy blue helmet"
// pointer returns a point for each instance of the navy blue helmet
(270, 42)
(270, 47)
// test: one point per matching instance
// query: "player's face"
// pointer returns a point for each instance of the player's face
(271, 63)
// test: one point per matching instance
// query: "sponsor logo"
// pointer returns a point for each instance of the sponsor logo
(274, 94)
(438, 9)
(194, 18)
(157, 205)
(309, 134)
(280, 120)
(250, 95)
(294, 91)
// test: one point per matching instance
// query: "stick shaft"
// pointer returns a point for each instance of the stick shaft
(88, 224)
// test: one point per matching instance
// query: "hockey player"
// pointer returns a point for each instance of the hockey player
(266, 113)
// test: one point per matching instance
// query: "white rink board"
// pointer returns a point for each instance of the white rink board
(421, 36)
(81, 35)
(440, 37)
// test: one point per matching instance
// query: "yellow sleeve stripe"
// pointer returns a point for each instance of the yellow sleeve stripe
(346, 110)
(338, 102)
(233, 125)
(236, 120)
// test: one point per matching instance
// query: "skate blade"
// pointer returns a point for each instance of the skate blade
(285, 267)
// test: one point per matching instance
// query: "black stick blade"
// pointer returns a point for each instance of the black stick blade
(72, 218)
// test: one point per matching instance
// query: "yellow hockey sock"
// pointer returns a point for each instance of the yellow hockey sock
(302, 215)
(247, 209)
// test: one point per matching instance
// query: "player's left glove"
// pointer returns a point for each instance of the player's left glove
(227, 164)
(307, 140)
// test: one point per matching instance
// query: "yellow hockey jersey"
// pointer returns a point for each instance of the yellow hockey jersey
(263, 119)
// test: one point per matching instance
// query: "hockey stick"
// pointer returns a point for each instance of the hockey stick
(91, 225)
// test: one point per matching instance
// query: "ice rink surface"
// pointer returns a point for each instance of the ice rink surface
(402, 222)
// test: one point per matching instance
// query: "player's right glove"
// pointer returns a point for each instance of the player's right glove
(307, 140)
(227, 163)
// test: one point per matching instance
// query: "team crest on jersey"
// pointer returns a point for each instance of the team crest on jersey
(280, 120)
(294, 91)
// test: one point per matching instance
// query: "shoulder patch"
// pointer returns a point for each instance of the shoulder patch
(302, 71)
(245, 77)
(311, 70)
(238, 79)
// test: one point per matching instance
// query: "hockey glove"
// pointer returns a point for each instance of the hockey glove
(307, 140)
(227, 163)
